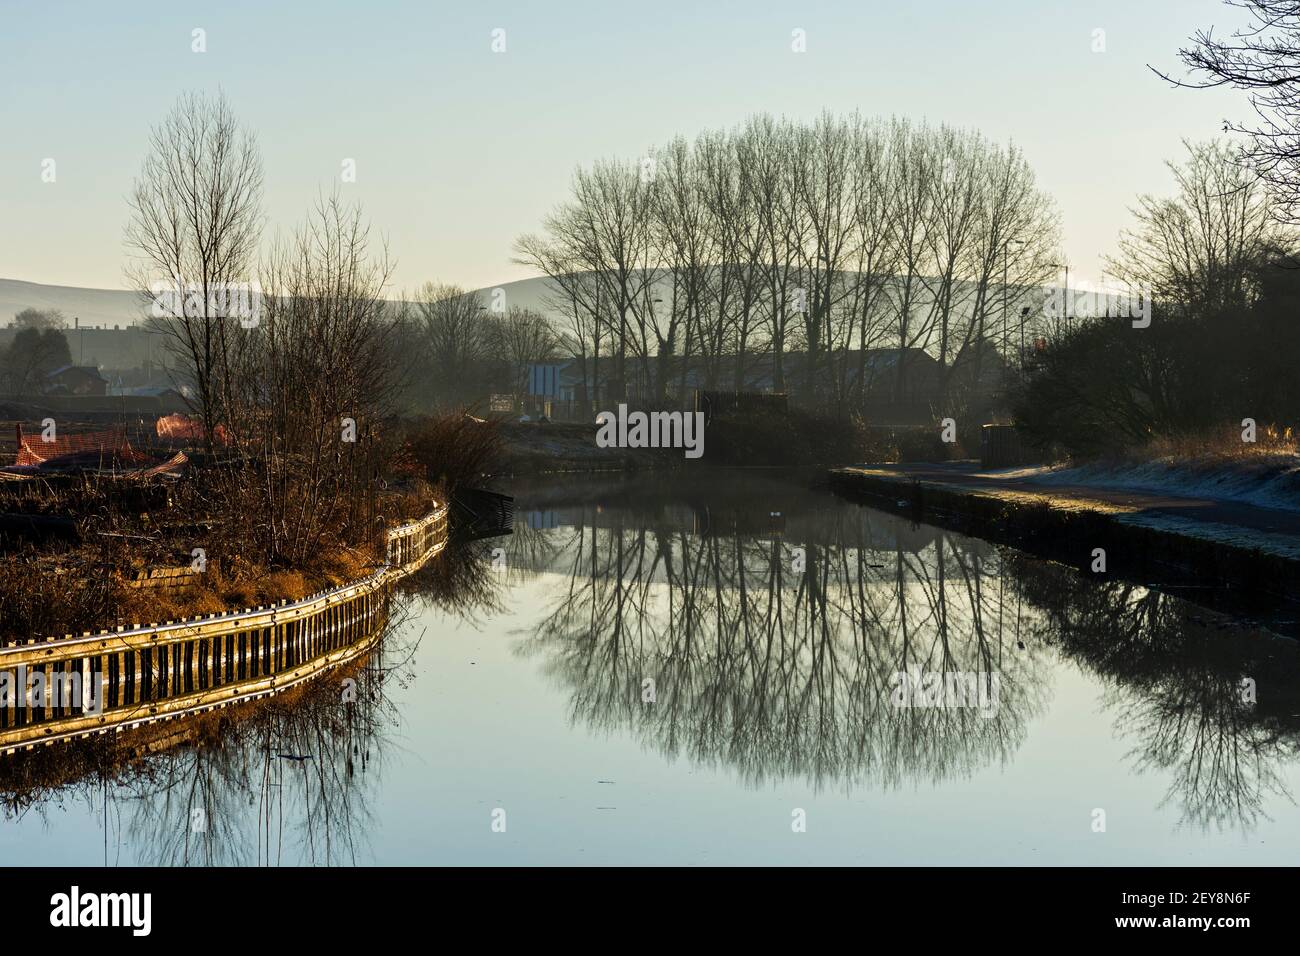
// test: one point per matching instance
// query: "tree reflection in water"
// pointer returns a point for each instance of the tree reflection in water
(284, 780)
(780, 672)
(777, 672)
(1174, 676)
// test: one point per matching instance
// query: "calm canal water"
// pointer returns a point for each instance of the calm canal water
(653, 673)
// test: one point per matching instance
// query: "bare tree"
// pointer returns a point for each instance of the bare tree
(823, 184)
(1198, 249)
(520, 339)
(1260, 59)
(915, 169)
(310, 388)
(195, 225)
(767, 148)
(736, 284)
(685, 254)
(456, 336)
(574, 293)
(611, 231)
(1009, 259)
(875, 249)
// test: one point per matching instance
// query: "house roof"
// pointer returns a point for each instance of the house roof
(147, 391)
(84, 369)
(888, 358)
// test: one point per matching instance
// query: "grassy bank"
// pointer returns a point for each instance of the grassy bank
(58, 588)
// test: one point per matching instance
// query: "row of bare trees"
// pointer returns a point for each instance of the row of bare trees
(713, 258)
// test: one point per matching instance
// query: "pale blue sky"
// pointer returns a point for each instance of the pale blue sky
(459, 150)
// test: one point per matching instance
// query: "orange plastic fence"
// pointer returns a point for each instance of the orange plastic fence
(183, 428)
(108, 445)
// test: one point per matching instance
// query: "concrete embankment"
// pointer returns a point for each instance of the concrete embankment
(1222, 552)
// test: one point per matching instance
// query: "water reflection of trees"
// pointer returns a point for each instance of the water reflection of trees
(1174, 677)
(777, 672)
(283, 780)
(461, 582)
(290, 785)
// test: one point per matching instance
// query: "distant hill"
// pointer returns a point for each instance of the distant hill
(106, 308)
(107, 318)
(96, 308)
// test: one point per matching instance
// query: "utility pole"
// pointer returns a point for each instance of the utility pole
(1024, 314)
(1005, 253)
(1066, 310)
(1065, 298)
(1006, 337)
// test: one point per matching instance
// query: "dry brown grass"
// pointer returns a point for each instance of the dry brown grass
(239, 584)
(50, 592)
(50, 595)
(58, 588)
(1219, 445)
(410, 501)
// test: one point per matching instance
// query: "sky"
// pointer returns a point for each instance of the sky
(458, 149)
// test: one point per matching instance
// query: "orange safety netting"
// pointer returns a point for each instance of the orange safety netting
(181, 427)
(109, 445)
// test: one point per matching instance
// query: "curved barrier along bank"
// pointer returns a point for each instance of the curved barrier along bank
(128, 678)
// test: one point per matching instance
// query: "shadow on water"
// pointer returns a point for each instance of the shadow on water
(744, 623)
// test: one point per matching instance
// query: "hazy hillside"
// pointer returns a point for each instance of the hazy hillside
(107, 318)
(94, 307)
(109, 307)
(106, 307)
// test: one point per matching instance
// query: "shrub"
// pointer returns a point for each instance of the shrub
(769, 436)
(1104, 387)
(455, 450)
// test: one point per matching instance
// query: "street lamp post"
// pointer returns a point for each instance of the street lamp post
(1024, 314)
